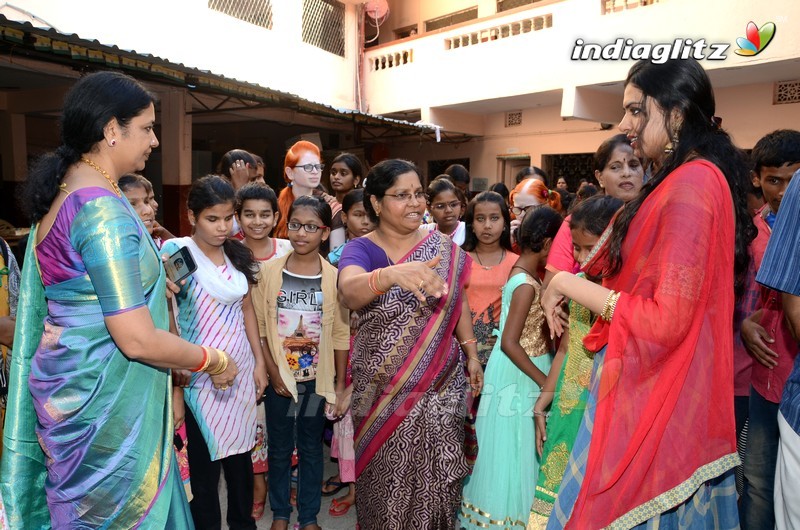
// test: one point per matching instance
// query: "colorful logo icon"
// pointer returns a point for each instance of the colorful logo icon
(757, 39)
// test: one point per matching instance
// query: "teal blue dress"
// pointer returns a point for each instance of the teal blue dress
(88, 439)
(501, 488)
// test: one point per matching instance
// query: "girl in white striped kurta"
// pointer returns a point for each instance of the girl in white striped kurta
(215, 310)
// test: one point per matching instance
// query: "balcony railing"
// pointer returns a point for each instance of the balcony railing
(392, 59)
(501, 31)
(614, 6)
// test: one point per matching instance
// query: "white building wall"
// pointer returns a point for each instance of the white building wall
(747, 113)
(539, 61)
(188, 32)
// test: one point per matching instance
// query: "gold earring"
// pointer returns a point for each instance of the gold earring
(671, 146)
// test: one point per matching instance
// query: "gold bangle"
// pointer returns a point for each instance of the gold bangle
(222, 363)
(473, 340)
(610, 306)
(378, 282)
(607, 311)
(473, 358)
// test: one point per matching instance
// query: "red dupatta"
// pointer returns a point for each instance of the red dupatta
(664, 421)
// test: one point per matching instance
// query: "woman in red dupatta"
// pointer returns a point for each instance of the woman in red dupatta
(657, 444)
(409, 387)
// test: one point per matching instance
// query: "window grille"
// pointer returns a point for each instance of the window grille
(505, 5)
(258, 12)
(513, 118)
(323, 25)
(451, 19)
(786, 92)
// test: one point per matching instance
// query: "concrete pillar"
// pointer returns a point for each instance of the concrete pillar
(176, 158)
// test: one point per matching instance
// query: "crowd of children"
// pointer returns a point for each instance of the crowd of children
(538, 281)
(518, 438)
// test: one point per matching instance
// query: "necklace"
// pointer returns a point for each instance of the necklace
(488, 268)
(103, 172)
(527, 271)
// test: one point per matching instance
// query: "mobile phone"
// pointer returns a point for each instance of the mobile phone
(180, 265)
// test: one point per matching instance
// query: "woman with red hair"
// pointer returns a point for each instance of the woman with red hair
(302, 171)
(528, 193)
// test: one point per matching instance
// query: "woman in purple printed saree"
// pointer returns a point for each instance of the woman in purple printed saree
(409, 383)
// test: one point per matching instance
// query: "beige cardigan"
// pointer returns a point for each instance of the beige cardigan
(335, 324)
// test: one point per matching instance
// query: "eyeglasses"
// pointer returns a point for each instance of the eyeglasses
(406, 197)
(309, 228)
(517, 210)
(442, 206)
(309, 168)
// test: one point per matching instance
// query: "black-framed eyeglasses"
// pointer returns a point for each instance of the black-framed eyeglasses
(442, 206)
(308, 168)
(309, 228)
(406, 197)
(517, 210)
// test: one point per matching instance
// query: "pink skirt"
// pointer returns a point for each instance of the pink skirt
(342, 448)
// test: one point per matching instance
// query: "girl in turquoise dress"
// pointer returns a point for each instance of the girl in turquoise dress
(500, 490)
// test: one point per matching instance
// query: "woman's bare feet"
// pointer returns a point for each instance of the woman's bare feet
(279, 524)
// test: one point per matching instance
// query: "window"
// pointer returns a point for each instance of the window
(505, 5)
(451, 19)
(258, 12)
(786, 92)
(323, 25)
(513, 119)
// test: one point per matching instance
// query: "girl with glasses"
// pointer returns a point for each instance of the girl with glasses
(409, 386)
(528, 193)
(302, 171)
(444, 206)
(305, 334)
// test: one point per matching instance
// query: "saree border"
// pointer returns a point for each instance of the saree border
(677, 495)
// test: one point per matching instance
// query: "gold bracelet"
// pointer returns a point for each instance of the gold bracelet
(378, 281)
(608, 307)
(611, 305)
(473, 340)
(473, 358)
(222, 363)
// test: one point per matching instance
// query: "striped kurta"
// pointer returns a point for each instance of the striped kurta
(227, 418)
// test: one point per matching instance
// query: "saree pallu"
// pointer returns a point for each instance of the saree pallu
(664, 425)
(409, 394)
(712, 505)
(566, 413)
(87, 426)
